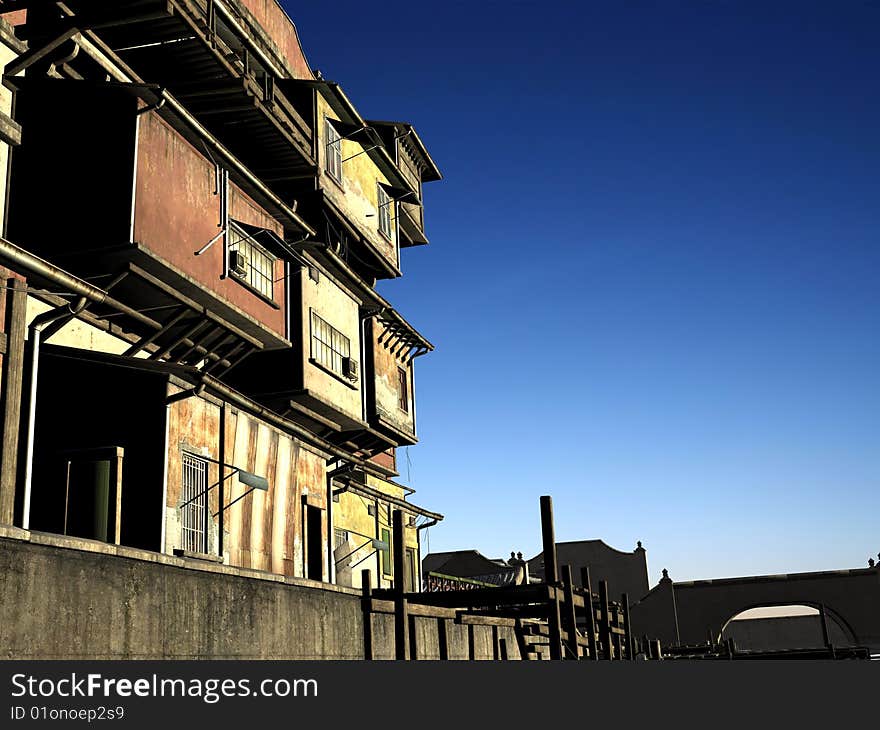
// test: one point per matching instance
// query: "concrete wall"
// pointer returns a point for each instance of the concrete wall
(63, 598)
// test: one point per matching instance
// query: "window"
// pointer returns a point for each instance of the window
(330, 347)
(250, 262)
(385, 553)
(402, 390)
(340, 537)
(333, 163)
(194, 516)
(384, 211)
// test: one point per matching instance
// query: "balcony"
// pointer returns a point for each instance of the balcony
(216, 63)
(136, 201)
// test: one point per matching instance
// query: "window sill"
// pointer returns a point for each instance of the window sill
(342, 379)
(256, 292)
(197, 556)
(332, 178)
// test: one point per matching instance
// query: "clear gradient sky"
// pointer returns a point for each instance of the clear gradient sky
(653, 271)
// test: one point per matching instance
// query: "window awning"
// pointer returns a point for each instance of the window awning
(269, 239)
(401, 194)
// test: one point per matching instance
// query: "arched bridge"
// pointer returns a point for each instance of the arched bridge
(687, 612)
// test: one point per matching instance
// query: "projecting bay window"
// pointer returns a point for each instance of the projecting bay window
(384, 211)
(333, 161)
(193, 494)
(250, 262)
(331, 349)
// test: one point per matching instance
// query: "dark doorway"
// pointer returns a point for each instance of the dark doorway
(314, 544)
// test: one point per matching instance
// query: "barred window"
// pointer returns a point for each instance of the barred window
(340, 537)
(333, 163)
(194, 516)
(250, 262)
(329, 346)
(384, 210)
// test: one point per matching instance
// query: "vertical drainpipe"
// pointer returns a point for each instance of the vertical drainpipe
(165, 461)
(35, 331)
(331, 562)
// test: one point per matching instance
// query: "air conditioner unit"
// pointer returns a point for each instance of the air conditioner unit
(238, 263)
(350, 368)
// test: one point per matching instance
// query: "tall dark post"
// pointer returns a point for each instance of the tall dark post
(591, 612)
(401, 612)
(367, 597)
(605, 620)
(551, 576)
(627, 629)
(569, 620)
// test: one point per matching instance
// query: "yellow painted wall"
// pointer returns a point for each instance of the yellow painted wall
(357, 195)
(351, 514)
(340, 310)
(80, 334)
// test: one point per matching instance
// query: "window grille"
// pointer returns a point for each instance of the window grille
(329, 345)
(334, 152)
(258, 264)
(194, 516)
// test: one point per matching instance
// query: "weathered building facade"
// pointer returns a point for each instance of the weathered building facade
(195, 360)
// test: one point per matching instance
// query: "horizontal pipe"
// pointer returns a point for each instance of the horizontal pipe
(40, 267)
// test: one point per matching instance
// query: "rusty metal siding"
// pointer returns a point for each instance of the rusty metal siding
(177, 212)
(385, 366)
(264, 529)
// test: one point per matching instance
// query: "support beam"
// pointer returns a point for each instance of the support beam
(11, 383)
(591, 612)
(569, 622)
(401, 615)
(366, 593)
(605, 621)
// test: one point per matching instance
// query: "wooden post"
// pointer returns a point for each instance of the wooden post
(605, 620)
(551, 576)
(12, 383)
(591, 612)
(443, 638)
(627, 629)
(401, 612)
(502, 644)
(569, 620)
(367, 593)
(413, 639)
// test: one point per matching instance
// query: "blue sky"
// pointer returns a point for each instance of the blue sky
(653, 271)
